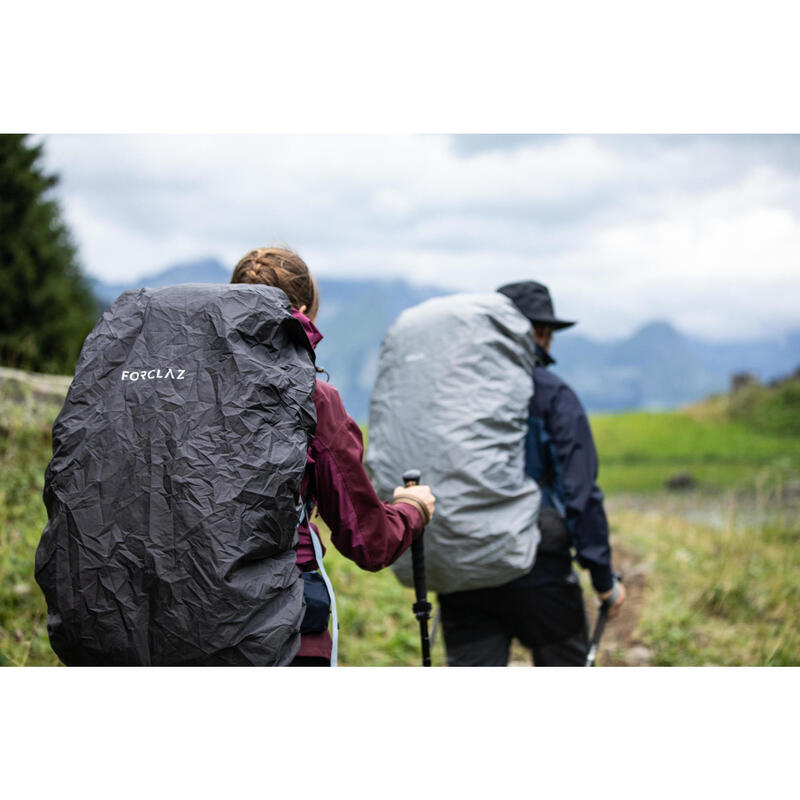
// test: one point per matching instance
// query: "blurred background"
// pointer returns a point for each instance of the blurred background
(678, 255)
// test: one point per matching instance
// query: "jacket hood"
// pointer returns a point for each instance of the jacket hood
(314, 336)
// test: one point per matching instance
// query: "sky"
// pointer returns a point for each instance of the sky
(703, 231)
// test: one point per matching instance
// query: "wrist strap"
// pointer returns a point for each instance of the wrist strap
(418, 504)
(614, 596)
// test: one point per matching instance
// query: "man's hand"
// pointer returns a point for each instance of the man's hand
(614, 610)
(420, 497)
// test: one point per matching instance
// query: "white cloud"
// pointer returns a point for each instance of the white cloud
(704, 231)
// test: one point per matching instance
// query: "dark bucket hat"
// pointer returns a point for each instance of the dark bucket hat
(533, 300)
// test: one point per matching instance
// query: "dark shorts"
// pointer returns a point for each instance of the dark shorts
(546, 615)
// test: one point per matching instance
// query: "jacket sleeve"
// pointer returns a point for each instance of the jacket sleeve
(572, 437)
(371, 533)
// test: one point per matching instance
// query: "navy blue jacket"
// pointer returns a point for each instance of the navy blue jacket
(562, 459)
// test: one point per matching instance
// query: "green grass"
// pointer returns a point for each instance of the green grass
(726, 595)
(774, 409)
(639, 451)
(377, 625)
(24, 453)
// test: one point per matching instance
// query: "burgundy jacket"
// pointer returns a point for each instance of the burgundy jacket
(364, 529)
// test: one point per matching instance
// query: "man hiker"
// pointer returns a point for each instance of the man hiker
(544, 608)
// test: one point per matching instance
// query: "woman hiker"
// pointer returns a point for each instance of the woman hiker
(366, 530)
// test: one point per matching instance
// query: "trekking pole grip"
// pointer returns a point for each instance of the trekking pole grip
(412, 477)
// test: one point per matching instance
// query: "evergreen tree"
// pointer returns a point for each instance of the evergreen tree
(46, 305)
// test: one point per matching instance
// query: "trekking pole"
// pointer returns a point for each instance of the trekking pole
(598, 632)
(599, 627)
(422, 608)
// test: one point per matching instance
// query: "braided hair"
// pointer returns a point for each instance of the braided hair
(281, 267)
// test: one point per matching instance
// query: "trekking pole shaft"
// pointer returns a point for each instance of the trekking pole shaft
(421, 608)
(602, 617)
(418, 567)
(598, 633)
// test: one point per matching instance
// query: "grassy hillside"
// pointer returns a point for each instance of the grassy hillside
(719, 569)
(25, 422)
(639, 451)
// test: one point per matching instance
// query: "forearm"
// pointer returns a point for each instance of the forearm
(590, 532)
(371, 533)
(364, 529)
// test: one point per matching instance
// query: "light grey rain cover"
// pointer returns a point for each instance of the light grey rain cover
(455, 379)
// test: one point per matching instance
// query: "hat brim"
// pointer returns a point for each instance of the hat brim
(552, 322)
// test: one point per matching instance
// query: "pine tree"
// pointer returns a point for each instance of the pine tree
(46, 305)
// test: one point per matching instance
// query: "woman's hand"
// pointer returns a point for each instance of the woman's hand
(420, 497)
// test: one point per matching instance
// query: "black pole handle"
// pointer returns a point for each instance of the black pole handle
(422, 608)
(412, 477)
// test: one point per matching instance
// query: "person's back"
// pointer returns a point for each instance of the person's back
(544, 608)
(562, 459)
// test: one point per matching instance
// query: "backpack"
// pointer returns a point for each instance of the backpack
(173, 494)
(451, 398)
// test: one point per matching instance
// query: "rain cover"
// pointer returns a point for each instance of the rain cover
(455, 380)
(173, 492)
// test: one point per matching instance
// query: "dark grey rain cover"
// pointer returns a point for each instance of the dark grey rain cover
(173, 490)
(455, 380)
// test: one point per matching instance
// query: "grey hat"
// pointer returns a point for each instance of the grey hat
(533, 300)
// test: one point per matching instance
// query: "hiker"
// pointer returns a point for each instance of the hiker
(366, 530)
(544, 609)
(463, 364)
(193, 442)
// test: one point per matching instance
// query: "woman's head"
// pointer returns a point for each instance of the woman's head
(278, 266)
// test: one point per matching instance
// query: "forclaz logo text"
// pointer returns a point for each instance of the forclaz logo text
(153, 374)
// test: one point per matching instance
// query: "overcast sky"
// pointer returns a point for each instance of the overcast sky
(700, 230)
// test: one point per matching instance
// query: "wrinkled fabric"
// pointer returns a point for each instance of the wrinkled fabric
(455, 379)
(173, 493)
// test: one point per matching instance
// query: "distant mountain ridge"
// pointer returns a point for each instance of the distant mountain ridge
(657, 367)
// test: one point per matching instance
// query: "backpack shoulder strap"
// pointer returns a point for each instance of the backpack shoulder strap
(317, 545)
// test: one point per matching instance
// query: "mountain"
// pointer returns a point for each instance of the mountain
(652, 369)
(656, 367)
(659, 367)
(208, 270)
